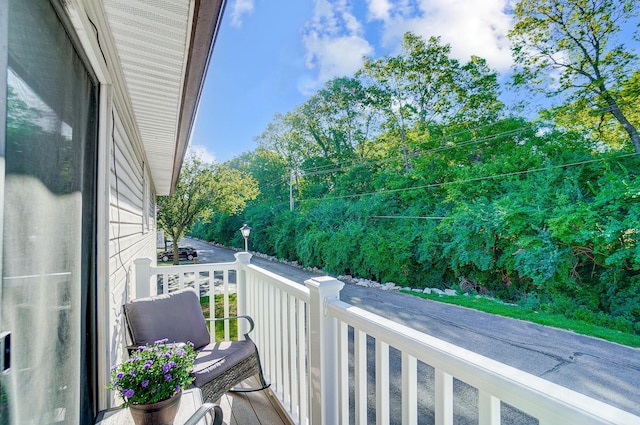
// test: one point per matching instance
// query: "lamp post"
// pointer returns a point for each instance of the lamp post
(245, 230)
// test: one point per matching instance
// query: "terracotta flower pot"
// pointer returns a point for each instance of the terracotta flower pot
(160, 413)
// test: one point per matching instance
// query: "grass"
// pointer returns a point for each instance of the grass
(219, 312)
(554, 320)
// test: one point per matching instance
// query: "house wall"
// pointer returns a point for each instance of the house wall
(129, 235)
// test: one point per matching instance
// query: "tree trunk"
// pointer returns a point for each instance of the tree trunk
(629, 128)
(405, 152)
(176, 257)
(617, 113)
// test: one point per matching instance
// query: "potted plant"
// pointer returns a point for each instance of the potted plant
(151, 381)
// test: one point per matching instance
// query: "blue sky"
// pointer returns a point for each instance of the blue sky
(271, 55)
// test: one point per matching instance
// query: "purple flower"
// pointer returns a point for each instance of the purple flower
(147, 364)
(167, 367)
(133, 372)
(119, 375)
(145, 383)
(114, 367)
(161, 341)
(177, 388)
(167, 377)
(128, 392)
(168, 354)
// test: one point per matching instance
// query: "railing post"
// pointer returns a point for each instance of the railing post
(242, 258)
(143, 277)
(323, 351)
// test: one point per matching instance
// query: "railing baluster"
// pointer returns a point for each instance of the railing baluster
(196, 282)
(286, 348)
(277, 346)
(303, 410)
(489, 409)
(270, 340)
(225, 288)
(382, 382)
(212, 308)
(410, 390)
(343, 372)
(360, 372)
(444, 398)
(293, 354)
(263, 308)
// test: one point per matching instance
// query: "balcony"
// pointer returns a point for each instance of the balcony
(314, 351)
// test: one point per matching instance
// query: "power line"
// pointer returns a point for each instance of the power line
(441, 138)
(411, 217)
(338, 167)
(476, 179)
(426, 151)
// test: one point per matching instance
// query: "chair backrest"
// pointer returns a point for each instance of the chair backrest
(176, 316)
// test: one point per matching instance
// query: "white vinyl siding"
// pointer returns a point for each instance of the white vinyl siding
(128, 238)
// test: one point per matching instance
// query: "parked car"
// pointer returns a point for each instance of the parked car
(184, 253)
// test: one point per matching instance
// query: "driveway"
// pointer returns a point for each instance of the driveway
(591, 366)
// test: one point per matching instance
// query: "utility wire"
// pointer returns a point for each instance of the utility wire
(413, 155)
(420, 153)
(411, 217)
(442, 137)
(308, 171)
(476, 179)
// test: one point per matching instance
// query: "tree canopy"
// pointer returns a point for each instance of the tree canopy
(570, 47)
(202, 191)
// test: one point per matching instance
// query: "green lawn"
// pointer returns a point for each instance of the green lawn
(555, 320)
(219, 312)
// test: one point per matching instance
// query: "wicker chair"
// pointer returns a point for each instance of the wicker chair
(177, 316)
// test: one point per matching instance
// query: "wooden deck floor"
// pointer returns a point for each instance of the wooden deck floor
(254, 408)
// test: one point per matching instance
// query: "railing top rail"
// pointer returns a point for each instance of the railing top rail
(293, 288)
(534, 395)
(188, 268)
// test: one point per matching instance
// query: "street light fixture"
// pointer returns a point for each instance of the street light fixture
(246, 231)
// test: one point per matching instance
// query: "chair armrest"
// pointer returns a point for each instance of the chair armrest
(247, 318)
(202, 411)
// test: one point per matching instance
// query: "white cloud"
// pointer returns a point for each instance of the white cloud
(239, 9)
(379, 9)
(471, 27)
(334, 43)
(202, 153)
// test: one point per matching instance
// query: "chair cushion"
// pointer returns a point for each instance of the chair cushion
(216, 358)
(176, 316)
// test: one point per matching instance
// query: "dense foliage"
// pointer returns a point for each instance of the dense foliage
(411, 172)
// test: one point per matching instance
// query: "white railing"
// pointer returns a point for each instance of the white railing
(213, 279)
(303, 335)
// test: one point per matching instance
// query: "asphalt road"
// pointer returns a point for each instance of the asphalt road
(594, 367)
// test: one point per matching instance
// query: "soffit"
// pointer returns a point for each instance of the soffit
(163, 52)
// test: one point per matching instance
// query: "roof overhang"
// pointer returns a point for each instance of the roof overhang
(164, 47)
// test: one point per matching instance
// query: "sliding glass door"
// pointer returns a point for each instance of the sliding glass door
(49, 219)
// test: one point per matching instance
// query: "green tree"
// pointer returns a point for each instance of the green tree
(202, 191)
(336, 119)
(569, 47)
(424, 85)
(269, 169)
